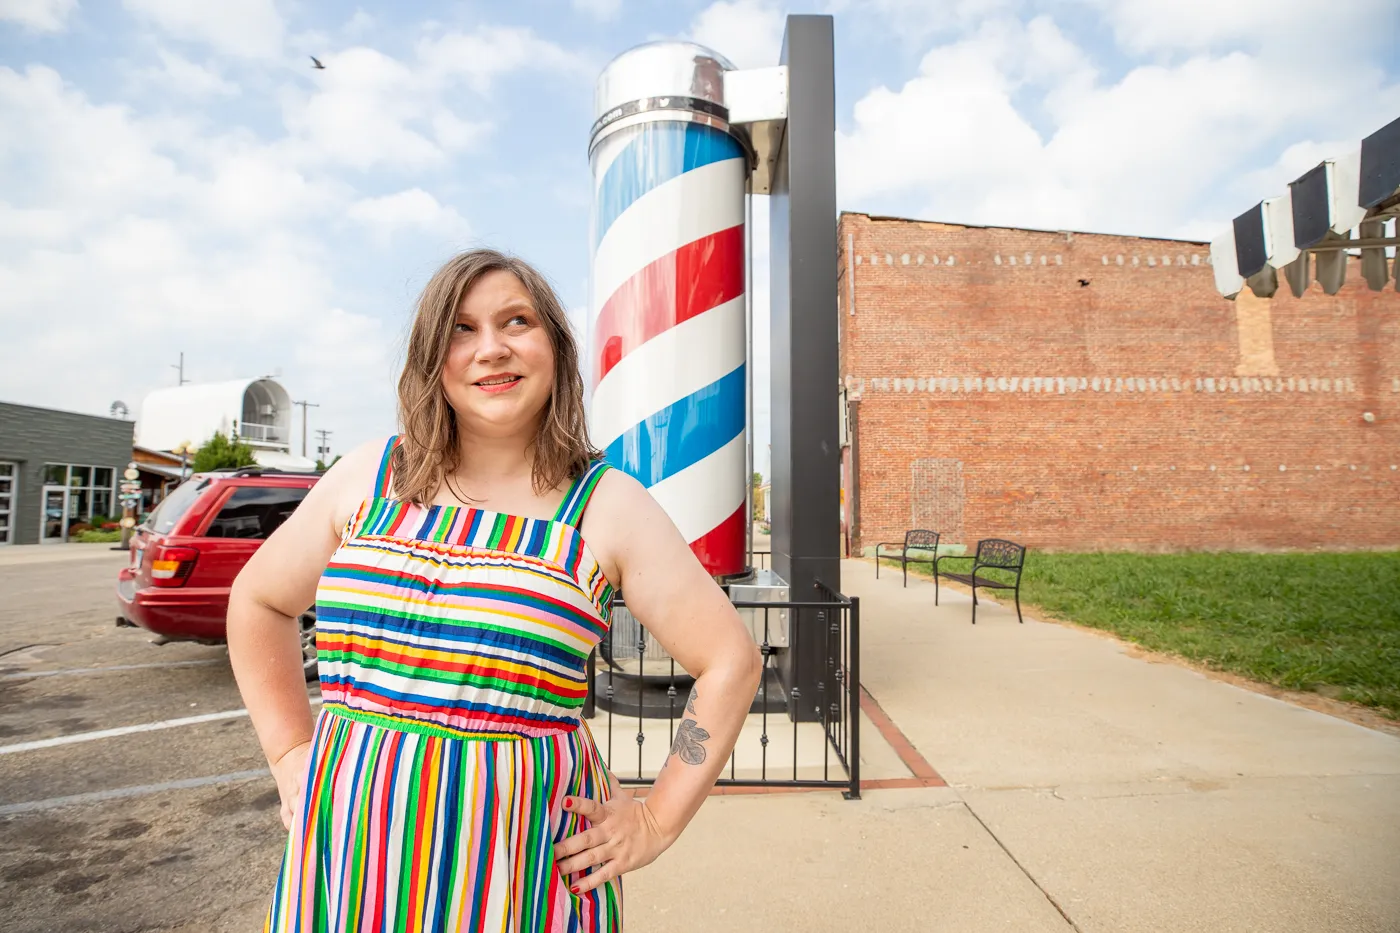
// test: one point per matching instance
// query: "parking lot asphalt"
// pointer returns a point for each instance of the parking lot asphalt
(133, 795)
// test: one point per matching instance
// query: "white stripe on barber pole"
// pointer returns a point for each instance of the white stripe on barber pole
(666, 369)
(705, 493)
(665, 219)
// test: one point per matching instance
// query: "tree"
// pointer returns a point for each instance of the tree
(222, 452)
(757, 479)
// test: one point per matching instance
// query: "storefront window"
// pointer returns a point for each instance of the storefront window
(89, 494)
(78, 505)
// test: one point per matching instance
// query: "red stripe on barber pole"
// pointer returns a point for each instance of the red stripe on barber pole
(718, 546)
(651, 302)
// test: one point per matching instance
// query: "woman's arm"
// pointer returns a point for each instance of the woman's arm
(670, 593)
(276, 585)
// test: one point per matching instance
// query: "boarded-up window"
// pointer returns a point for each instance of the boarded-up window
(936, 496)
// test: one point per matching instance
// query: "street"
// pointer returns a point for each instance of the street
(93, 837)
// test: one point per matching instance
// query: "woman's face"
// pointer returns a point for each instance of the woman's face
(500, 365)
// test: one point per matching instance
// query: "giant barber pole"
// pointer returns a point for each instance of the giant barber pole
(667, 340)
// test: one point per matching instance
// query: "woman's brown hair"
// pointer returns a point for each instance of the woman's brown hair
(430, 451)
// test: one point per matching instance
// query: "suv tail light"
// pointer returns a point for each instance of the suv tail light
(171, 566)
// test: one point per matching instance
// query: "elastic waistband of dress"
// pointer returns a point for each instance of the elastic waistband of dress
(400, 723)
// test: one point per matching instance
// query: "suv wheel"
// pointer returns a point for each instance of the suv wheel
(307, 624)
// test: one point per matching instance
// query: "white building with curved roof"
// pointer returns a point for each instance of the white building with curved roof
(258, 411)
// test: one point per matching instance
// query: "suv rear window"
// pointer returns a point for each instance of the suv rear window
(255, 511)
(175, 505)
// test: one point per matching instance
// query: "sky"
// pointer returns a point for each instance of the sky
(176, 178)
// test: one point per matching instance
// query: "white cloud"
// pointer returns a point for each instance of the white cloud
(917, 19)
(359, 24)
(247, 187)
(244, 28)
(38, 15)
(143, 238)
(481, 57)
(93, 160)
(599, 9)
(367, 109)
(747, 32)
(414, 209)
(370, 110)
(1143, 26)
(178, 75)
(1152, 153)
(131, 236)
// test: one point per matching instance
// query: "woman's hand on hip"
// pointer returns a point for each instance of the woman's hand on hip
(623, 836)
(290, 771)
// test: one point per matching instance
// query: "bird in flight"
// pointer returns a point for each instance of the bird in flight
(316, 63)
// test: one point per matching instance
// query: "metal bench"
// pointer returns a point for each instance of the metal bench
(992, 554)
(919, 538)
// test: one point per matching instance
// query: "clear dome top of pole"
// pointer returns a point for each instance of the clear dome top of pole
(681, 80)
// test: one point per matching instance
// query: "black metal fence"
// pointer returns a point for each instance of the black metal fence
(637, 696)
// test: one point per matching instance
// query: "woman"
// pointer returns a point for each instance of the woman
(461, 573)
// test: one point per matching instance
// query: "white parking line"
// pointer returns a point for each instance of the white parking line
(26, 675)
(126, 730)
(116, 793)
(121, 730)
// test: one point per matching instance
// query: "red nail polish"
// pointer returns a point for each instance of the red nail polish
(574, 889)
(567, 805)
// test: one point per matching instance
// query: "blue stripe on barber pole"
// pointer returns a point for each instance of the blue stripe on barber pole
(662, 151)
(679, 435)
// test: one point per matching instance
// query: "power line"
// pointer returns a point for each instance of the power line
(323, 449)
(304, 407)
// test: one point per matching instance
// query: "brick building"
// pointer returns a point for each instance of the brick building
(1086, 391)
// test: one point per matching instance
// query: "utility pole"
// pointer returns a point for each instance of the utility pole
(180, 368)
(304, 407)
(323, 449)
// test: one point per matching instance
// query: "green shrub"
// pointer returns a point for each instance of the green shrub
(221, 452)
(98, 537)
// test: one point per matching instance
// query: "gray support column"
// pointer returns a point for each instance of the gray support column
(806, 457)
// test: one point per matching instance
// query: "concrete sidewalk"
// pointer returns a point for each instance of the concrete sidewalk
(1090, 790)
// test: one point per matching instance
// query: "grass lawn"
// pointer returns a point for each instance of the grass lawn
(1328, 623)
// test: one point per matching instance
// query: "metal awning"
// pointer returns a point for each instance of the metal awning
(1342, 205)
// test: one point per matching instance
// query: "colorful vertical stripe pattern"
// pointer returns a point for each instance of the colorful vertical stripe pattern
(452, 645)
(406, 832)
(667, 340)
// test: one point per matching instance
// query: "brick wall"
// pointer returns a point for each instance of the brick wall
(998, 396)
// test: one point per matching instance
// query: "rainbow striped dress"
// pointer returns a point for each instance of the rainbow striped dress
(452, 645)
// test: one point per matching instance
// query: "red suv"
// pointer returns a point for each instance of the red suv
(186, 555)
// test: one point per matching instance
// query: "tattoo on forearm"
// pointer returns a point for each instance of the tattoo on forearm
(690, 703)
(688, 742)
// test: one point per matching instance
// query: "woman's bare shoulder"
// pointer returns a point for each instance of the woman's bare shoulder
(351, 479)
(619, 507)
(617, 493)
